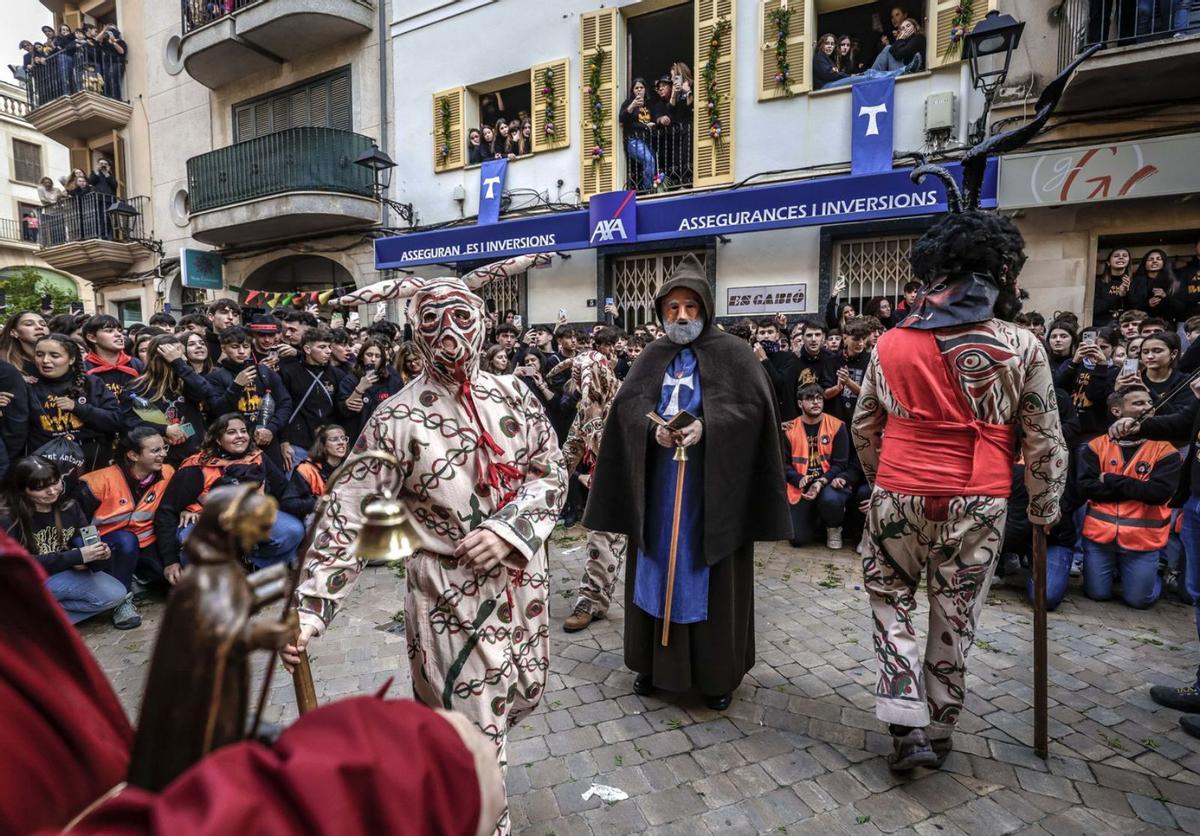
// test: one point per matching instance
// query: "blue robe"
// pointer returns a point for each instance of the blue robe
(689, 602)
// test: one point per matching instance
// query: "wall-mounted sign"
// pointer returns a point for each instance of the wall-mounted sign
(825, 200)
(1096, 173)
(201, 269)
(612, 218)
(776, 298)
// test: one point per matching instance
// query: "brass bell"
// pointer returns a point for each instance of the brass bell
(386, 534)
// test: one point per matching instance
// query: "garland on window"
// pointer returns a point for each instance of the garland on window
(444, 112)
(958, 25)
(596, 104)
(550, 95)
(781, 18)
(720, 29)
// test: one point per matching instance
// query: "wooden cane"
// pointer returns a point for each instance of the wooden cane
(302, 680)
(1041, 687)
(681, 458)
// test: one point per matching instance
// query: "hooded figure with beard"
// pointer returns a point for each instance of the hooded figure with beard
(950, 399)
(733, 495)
(483, 485)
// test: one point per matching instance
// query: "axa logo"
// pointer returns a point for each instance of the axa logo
(609, 230)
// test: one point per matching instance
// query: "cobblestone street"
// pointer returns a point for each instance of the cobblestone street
(800, 750)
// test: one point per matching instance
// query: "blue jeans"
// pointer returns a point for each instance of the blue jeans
(639, 149)
(865, 75)
(1058, 573)
(1161, 16)
(1140, 583)
(126, 555)
(279, 547)
(1191, 551)
(83, 593)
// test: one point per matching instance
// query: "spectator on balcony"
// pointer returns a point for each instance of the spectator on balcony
(846, 59)
(905, 53)
(1156, 278)
(491, 108)
(501, 144)
(112, 51)
(29, 226)
(514, 139)
(1186, 298)
(825, 71)
(527, 136)
(1099, 16)
(487, 142)
(1115, 291)
(1161, 17)
(475, 148)
(637, 126)
(49, 193)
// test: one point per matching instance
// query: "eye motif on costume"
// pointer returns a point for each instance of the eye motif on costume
(978, 359)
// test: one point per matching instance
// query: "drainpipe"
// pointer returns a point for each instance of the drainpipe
(383, 94)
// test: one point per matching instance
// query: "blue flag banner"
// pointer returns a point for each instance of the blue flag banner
(491, 187)
(873, 112)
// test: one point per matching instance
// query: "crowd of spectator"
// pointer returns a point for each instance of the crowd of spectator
(886, 52)
(90, 58)
(656, 125)
(500, 135)
(74, 208)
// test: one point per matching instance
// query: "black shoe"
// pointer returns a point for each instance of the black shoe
(643, 685)
(910, 751)
(719, 703)
(1190, 724)
(1186, 700)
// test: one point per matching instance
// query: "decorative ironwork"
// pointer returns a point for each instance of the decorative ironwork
(635, 280)
(873, 267)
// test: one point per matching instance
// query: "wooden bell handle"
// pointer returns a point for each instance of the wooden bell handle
(306, 692)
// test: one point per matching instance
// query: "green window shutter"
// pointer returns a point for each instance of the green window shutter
(325, 102)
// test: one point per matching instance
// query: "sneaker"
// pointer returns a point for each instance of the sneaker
(910, 751)
(1077, 566)
(1190, 723)
(579, 619)
(833, 538)
(140, 589)
(1186, 700)
(126, 615)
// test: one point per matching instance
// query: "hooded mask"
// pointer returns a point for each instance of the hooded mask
(689, 274)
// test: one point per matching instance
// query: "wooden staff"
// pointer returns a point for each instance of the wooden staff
(1041, 687)
(681, 458)
(302, 681)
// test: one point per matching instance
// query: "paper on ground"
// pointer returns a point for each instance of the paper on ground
(604, 793)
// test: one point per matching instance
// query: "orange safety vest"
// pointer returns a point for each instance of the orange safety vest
(117, 509)
(311, 474)
(213, 470)
(798, 442)
(1136, 526)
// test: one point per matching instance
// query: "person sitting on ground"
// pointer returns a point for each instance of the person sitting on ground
(122, 499)
(308, 481)
(40, 517)
(1127, 520)
(818, 451)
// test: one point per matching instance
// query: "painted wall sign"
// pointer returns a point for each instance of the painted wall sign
(1096, 173)
(827, 200)
(778, 298)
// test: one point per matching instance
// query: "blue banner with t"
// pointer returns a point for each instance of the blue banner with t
(873, 110)
(491, 188)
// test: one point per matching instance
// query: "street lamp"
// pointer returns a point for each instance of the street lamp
(123, 217)
(380, 165)
(989, 48)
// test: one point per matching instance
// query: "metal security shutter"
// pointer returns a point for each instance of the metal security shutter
(320, 103)
(873, 267)
(636, 280)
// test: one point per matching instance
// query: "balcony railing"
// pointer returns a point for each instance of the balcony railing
(197, 13)
(83, 70)
(661, 163)
(295, 160)
(86, 218)
(11, 106)
(1122, 23)
(11, 230)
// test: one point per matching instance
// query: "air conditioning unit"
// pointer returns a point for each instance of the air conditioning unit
(941, 112)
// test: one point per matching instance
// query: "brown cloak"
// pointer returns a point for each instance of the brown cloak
(744, 497)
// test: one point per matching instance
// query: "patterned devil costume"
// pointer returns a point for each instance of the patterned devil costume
(597, 385)
(936, 430)
(477, 451)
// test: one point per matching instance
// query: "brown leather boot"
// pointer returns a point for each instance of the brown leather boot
(579, 619)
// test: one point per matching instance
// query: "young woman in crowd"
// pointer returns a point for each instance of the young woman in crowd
(1159, 354)
(638, 115)
(502, 142)
(1155, 276)
(229, 456)
(370, 382)
(19, 337)
(65, 402)
(40, 517)
(906, 52)
(846, 60)
(880, 307)
(495, 361)
(475, 153)
(1114, 288)
(1088, 378)
(487, 142)
(825, 69)
(196, 352)
(530, 371)
(1061, 342)
(169, 396)
(409, 362)
(141, 344)
(309, 478)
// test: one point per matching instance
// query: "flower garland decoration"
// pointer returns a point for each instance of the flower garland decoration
(781, 19)
(958, 25)
(596, 104)
(550, 95)
(720, 29)
(444, 113)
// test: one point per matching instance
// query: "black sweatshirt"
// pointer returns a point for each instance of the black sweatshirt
(14, 418)
(352, 421)
(56, 547)
(187, 406)
(228, 396)
(314, 400)
(95, 417)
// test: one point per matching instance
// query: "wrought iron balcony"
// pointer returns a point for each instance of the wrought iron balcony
(290, 182)
(662, 162)
(76, 95)
(78, 235)
(226, 40)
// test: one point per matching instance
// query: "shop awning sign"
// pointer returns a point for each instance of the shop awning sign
(815, 202)
(779, 298)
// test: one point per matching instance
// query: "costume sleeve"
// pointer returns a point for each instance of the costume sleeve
(869, 418)
(575, 445)
(1176, 428)
(527, 520)
(1042, 442)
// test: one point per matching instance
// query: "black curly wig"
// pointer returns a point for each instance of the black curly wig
(973, 242)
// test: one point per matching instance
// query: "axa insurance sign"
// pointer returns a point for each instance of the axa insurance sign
(612, 218)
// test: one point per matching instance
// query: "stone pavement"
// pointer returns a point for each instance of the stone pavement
(800, 750)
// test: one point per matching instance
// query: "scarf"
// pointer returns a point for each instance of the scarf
(952, 301)
(99, 365)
